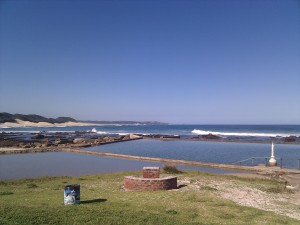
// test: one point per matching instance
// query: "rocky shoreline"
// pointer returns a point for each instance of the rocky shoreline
(214, 138)
(59, 140)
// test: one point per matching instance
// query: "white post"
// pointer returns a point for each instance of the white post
(272, 161)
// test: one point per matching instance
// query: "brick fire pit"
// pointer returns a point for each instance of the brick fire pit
(150, 181)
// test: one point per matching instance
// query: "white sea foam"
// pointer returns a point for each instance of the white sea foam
(21, 131)
(94, 130)
(38, 131)
(102, 132)
(60, 131)
(203, 132)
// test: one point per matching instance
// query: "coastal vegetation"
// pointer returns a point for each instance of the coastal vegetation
(171, 169)
(7, 117)
(33, 118)
(202, 198)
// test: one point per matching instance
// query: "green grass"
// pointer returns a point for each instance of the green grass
(103, 201)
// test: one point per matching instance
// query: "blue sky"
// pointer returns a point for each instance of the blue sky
(207, 62)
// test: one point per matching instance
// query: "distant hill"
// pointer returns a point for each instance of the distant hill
(7, 117)
(124, 122)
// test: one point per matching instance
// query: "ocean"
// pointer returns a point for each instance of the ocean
(13, 166)
(227, 131)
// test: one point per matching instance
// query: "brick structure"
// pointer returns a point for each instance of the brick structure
(151, 172)
(150, 181)
(152, 184)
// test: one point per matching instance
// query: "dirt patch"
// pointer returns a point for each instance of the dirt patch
(286, 203)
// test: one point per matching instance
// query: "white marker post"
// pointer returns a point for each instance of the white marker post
(272, 161)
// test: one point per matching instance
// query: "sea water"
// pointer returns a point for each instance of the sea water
(217, 152)
(31, 165)
(182, 130)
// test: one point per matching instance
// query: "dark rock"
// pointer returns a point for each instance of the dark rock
(78, 140)
(57, 142)
(97, 142)
(108, 139)
(169, 137)
(126, 137)
(46, 144)
(37, 144)
(28, 145)
(39, 136)
(290, 139)
(210, 137)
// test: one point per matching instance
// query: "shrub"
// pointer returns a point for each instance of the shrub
(6, 193)
(171, 169)
(32, 185)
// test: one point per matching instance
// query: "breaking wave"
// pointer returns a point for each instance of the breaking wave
(94, 130)
(204, 132)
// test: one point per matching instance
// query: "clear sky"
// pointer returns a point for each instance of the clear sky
(176, 61)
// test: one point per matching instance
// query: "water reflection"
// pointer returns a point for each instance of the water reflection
(32, 165)
(218, 152)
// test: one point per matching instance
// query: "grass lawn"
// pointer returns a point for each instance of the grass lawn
(103, 201)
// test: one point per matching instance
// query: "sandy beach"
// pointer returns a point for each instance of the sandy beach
(21, 123)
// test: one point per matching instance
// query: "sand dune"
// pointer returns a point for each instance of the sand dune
(21, 123)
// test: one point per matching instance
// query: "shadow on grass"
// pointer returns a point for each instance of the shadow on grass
(93, 201)
(181, 186)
